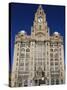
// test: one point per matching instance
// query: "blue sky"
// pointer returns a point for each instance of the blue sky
(22, 16)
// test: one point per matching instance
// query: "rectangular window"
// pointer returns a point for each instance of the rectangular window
(22, 44)
(22, 49)
(56, 63)
(27, 50)
(56, 59)
(56, 55)
(22, 55)
(17, 64)
(51, 63)
(51, 50)
(21, 64)
(17, 54)
(39, 27)
(51, 59)
(51, 55)
(27, 55)
(52, 81)
(57, 81)
(61, 81)
(51, 44)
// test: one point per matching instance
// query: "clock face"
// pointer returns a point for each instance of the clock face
(40, 19)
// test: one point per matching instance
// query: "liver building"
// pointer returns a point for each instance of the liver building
(39, 57)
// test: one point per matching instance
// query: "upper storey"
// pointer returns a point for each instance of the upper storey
(39, 30)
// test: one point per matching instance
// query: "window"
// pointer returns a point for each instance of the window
(22, 55)
(51, 59)
(61, 81)
(56, 59)
(17, 54)
(51, 44)
(61, 63)
(21, 64)
(25, 83)
(55, 50)
(47, 31)
(16, 68)
(20, 84)
(47, 62)
(26, 69)
(51, 55)
(51, 63)
(60, 49)
(51, 69)
(56, 63)
(15, 76)
(22, 44)
(16, 63)
(26, 64)
(27, 50)
(47, 81)
(18, 44)
(27, 55)
(52, 81)
(61, 74)
(56, 68)
(15, 84)
(28, 44)
(40, 12)
(56, 55)
(47, 43)
(51, 50)
(17, 48)
(17, 59)
(48, 74)
(57, 81)
(39, 27)
(22, 49)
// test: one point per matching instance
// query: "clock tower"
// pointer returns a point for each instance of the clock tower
(39, 48)
(40, 24)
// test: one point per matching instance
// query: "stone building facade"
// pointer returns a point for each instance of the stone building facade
(39, 57)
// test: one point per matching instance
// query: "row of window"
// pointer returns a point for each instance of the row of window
(52, 63)
(56, 49)
(56, 82)
(23, 55)
(40, 43)
(27, 50)
(53, 59)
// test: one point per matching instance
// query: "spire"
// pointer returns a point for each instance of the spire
(40, 7)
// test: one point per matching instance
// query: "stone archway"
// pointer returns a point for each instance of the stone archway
(39, 77)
